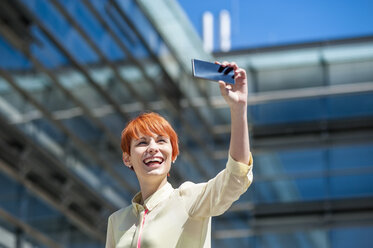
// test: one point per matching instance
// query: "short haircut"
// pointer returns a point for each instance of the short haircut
(149, 124)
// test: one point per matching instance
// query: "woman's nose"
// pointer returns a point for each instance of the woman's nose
(153, 148)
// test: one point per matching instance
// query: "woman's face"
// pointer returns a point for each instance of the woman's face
(150, 155)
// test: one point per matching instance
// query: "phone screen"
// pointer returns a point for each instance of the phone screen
(212, 71)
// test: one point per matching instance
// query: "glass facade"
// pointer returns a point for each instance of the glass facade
(72, 73)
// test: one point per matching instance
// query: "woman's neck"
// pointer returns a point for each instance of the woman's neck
(150, 187)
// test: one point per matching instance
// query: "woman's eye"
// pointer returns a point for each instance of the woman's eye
(161, 140)
(142, 143)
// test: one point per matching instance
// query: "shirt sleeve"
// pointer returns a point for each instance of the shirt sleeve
(217, 195)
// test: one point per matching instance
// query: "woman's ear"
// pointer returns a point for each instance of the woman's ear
(126, 159)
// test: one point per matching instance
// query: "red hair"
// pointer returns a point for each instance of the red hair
(149, 124)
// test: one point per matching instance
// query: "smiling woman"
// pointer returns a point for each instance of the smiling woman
(161, 216)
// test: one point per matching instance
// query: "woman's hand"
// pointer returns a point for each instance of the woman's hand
(235, 94)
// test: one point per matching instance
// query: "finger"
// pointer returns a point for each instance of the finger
(222, 86)
(231, 65)
(217, 62)
(239, 73)
(241, 70)
(234, 65)
(225, 63)
(225, 88)
(221, 83)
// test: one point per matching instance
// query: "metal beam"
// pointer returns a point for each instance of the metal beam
(30, 231)
(81, 221)
(323, 133)
(315, 134)
(260, 98)
(77, 141)
(317, 174)
(296, 94)
(303, 216)
(114, 141)
(77, 65)
(311, 92)
(12, 39)
(289, 47)
(100, 54)
(28, 164)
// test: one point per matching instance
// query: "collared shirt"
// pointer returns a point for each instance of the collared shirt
(178, 217)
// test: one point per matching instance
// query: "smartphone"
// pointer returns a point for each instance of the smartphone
(211, 71)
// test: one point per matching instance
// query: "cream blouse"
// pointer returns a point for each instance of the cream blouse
(178, 217)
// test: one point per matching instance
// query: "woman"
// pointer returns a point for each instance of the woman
(161, 216)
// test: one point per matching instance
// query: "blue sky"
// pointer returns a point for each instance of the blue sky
(273, 22)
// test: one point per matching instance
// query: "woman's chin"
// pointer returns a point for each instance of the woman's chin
(156, 169)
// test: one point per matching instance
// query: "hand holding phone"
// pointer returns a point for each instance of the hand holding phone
(211, 71)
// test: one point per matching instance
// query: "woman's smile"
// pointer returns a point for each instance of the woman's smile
(154, 161)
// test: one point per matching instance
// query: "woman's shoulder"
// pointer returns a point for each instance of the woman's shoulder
(121, 213)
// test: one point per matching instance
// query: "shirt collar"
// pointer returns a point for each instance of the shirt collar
(152, 200)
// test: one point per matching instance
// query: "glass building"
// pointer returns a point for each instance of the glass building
(72, 73)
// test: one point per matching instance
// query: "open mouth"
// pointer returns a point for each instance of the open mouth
(153, 161)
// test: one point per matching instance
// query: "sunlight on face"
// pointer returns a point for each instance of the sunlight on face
(151, 155)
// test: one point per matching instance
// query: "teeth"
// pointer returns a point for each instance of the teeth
(150, 160)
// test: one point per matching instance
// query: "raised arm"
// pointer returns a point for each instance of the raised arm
(236, 97)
